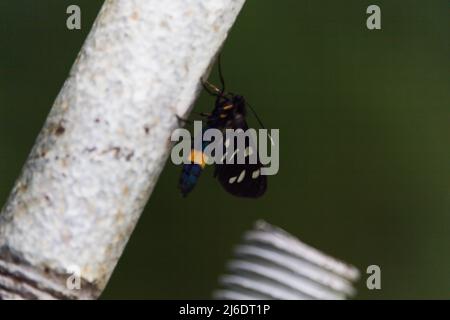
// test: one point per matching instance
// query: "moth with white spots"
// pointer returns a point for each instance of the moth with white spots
(240, 178)
(243, 180)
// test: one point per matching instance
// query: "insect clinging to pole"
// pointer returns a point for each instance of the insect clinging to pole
(242, 180)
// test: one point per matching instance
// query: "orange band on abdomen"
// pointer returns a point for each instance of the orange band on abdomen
(198, 157)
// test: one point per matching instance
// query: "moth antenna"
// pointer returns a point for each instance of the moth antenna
(259, 120)
(255, 114)
(222, 80)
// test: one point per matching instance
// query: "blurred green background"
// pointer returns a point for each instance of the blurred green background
(364, 129)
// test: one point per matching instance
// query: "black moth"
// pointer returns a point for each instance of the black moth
(242, 180)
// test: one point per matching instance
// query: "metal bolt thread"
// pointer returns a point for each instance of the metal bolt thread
(272, 264)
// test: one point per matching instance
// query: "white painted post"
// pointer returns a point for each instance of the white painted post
(104, 144)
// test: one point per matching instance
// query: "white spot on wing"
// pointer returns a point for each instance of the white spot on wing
(228, 160)
(256, 173)
(271, 140)
(232, 180)
(224, 156)
(241, 176)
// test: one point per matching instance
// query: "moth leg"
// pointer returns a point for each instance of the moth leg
(208, 86)
(202, 114)
(182, 121)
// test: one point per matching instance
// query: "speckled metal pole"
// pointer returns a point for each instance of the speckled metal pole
(104, 144)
